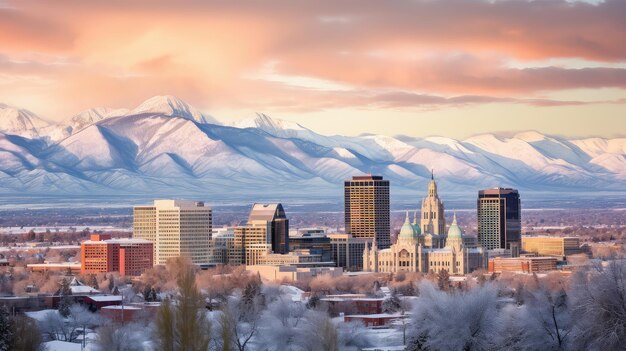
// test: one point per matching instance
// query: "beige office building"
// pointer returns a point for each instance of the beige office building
(367, 208)
(177, 228)
(551, 246)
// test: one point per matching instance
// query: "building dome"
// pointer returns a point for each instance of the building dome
(408, 230)
(455, 232)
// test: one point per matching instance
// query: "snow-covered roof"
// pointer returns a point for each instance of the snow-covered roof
(378, 315)
(39, 315)
(57, 345)
(120, 307)
(106, 298)
(121, 241)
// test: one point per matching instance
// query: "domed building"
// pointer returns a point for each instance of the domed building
(425, 247)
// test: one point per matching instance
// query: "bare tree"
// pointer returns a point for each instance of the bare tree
(164, 327)
(282, 323)
(238, 322)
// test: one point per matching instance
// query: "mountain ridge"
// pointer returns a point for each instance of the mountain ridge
(166, 146)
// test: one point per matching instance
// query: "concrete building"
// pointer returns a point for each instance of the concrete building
(522, 264)
(347, 251)
(316, 243)
(499, 219)
(294, 258)
(367, 209)
(273, 217)
(412, 254)
(551, 246)
(292, 273)
(433, 220)
(68, 267)
(177, 228)
(221, 243)
(130, 257)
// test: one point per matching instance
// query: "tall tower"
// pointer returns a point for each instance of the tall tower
(273, 216)
(499, 219)
(177, 228)
(367, 208)
(433, 220)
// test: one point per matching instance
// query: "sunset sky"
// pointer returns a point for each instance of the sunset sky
(451, 67)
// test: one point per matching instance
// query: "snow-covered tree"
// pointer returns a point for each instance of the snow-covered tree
(321, 332)
(549, 319)
(238, 322)
(6, 329)
(453, 321)
(599, 307)
(392, 304)
(129, 337)
(282, 325)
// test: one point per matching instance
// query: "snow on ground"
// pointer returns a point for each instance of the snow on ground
(296, 294)
(78, 228)
(24, 248)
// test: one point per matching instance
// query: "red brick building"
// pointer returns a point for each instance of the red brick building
(101, 254)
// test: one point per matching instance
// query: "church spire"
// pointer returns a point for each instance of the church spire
(432, 174)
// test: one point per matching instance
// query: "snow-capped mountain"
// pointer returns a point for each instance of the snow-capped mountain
(164, 146)
(20, 122)
(171, 106)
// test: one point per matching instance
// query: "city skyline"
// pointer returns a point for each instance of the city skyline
(545, 66)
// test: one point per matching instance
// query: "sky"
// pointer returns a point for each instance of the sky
(415, 67)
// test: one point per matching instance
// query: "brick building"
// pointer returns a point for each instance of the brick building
(101, 254)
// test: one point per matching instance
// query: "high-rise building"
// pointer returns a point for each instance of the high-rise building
(367, 208)
(101, 254)
(266, 232)
(433, 219)
(499, 219)
(177, 228)
(273, 216)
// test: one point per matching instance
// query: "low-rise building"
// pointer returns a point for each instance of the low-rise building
(69, 267)
(522, 264)
(291, 273)
(551, 245)
(101, 254)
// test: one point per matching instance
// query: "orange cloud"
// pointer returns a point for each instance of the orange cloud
(63, 56)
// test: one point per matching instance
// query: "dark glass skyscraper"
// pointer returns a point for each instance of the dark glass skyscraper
(499, 219)
(277, 224)
(367, 209)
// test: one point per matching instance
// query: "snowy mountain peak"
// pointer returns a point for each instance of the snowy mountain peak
(20, 122)
(171, 106)
(93, 115)
(530, 136)
(268, 124)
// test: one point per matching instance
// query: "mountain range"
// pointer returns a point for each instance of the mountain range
(166, 147)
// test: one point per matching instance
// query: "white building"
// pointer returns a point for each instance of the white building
(177, 228)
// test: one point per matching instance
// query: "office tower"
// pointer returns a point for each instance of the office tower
(499, 219)
(367, 208)
(266, 232)
(433, 219)
(101, 254)
(251, 242)
(177, 228)
(273, 216)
